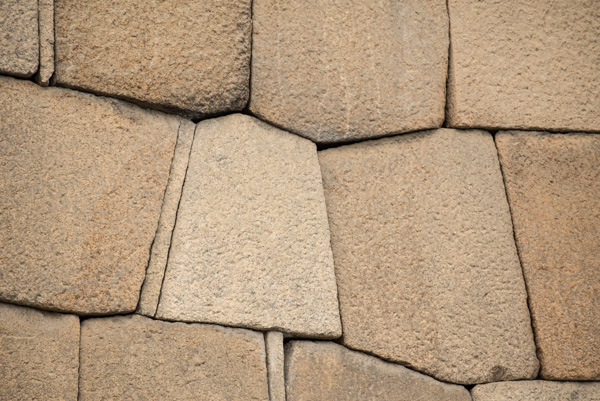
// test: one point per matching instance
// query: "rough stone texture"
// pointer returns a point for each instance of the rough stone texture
(525, 64)
(46, 32)
(82, 184)
(162, 241)
(537, 390)
(19, 42)
(274, 345)
(553, 185)
(137, 358)
(426, 264)
(339, 71)
(39, 354)
(328, 371)
(188, 55)
(251, 243)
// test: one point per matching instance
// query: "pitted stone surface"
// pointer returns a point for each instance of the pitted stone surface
(328, 371)
(340, 71)
(137, 358)
(251, 241)
(39, 354)
(19, 41)
(193, 56)
(553, 186)
(426, 264)
(525, 64)
(537, 390)
(82, 184)
(46, 32)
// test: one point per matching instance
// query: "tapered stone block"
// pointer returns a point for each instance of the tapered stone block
(19, 40)
(536, 390)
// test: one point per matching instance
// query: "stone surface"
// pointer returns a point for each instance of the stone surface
(46, 32)
(193, 56)
(340, 71)
(39, 354)
(328, 371)
(553, 186)
(426, 264)
(82, 185)
(275, 365)
(525, 64)
(19, 41)
(137, 358)
(251, 243)
(162, 241)
(537, 390)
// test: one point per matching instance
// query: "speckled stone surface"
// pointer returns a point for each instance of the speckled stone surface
(537, 390)
(19, 41)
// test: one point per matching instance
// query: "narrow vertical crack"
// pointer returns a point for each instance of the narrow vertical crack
(79, 360)
(449, 59)
(246, 109)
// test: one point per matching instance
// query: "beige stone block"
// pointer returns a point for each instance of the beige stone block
(553, 186)
(426, 264)
(275, 365)
(536, 390)
(251, 244)
(82, 185)
(137, 358)
(328, 371)
(19, 41)
(524, 64)
(341, 71)
(46, 32)
(189, 56)
(39, 354)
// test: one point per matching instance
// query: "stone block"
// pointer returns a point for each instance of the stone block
(536, 390)
(275, 365)
(46, 28)
(19, 40)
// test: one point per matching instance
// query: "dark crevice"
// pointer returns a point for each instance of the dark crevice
(246, 109)
(79, 361)
(449, 59)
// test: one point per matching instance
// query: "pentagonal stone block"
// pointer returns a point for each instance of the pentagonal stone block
(536, 390)
(553, 186)
(426, 264)
(525, 64)
(82, 184)
(19, 40)
(336, 72)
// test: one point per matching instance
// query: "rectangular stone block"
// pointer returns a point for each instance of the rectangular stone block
(19, 40)
(275, 365)
(46, 32)
(537, 390)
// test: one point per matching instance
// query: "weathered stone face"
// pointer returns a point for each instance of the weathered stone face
(39, 354)
(335, 72)
(275, 365)
(19, 41)
(525, 64)
(536, 390)
(426, 264)
(193, 56)
(553, 185)
(134, 357)
(328, 371)
(82, 184)
(251, 242)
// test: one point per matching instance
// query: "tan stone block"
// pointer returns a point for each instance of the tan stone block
(82, 184)
(191, 56)
(46, 32)
(134, 357)
(340, 71)
(553, 186)
(426, 264)
(251, 244)
(19, 41)
(328, 371)
(536, 390)
(275, 365)
(524, 64)
(39, 354)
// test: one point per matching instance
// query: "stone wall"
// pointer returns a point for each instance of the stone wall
(300, 200)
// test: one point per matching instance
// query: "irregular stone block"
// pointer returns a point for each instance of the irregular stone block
(275, 365)
(335, 72)
(134, 357)
(39, 354)
(82, 184)
(19, 41)
(536, 390)
(328, 371)
(553, 186)
(524, 64)
(251, 242)
(46, 28)
(426, 264)
(192, 56)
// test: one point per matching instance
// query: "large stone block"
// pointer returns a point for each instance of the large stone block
(537, 390)
(426, 264)
(137, 358)
(553, 186)
(193, 56)
(39, 354)
(327, 371)
(525, 64)
(251, 242)
(340, 71)
(19, 40)
(82, 182)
